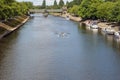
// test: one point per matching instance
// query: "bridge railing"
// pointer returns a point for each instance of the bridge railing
(43, 10)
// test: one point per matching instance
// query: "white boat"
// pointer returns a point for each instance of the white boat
(67, 18)
(117, 34)
(94, 26)
(109, 31)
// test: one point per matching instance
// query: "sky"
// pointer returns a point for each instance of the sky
(39, 2)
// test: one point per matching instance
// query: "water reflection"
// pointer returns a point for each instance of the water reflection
(6, 42)
(62, 34)
(109, 39)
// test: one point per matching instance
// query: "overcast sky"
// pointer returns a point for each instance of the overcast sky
(39, 2)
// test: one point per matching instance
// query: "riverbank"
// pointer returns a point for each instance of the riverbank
(10, 25)
(103, 25)
(100, 24)
(73, 18)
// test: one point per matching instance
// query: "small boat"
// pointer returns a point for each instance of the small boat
(67, 18)
(45, 14)
(117, 34)
(94, 26)
(109, 31)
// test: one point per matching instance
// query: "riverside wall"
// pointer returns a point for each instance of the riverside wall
(9, 29)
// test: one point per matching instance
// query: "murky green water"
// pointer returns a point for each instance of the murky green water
(56, 49)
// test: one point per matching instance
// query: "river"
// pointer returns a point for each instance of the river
(53, 48)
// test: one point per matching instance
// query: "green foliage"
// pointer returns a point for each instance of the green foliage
(11, 8)
(29, 5)
(91, 8)
(55, 6)
(74, 2)
(74, 10)
(98, 9)
(77, 2)
(8, 1)
(70, 4)
(104, 11)
(67, 3)
(83, 8)
(44, 4)
(116, 11)
(61, 3)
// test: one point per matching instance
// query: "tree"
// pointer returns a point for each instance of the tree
(97, 9)
(9, 1)
(43, 4)
(29, 4)
(74, 10)
(74, 2)
(92, 8)
(55, 6)
(12, 8)
(70, 4)
(67, 3)
(61, 3)
(88, 9)
(83, 8)
(116, 12)
(105, 10)
(77, 2)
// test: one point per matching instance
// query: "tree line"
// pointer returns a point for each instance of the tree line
(12, 8)
(54, 6)
(108, 10)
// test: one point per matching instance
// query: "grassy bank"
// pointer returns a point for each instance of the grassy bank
(101, 24)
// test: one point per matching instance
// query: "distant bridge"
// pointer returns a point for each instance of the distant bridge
(48, 10)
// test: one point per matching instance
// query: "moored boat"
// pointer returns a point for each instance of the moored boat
(117, 34)
(94, 26)
(109, 31)
(46, 13)
(67, 18)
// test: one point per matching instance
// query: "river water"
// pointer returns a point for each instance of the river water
(53, 48)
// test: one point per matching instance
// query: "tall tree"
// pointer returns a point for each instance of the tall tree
(88, 9)
(116, 11)
(9, 1)
(77, 2)
(11, 8)
(44, 4)
(61, 3)
(74, 2)
(67, 3)
(70, 4)
(55, 6)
